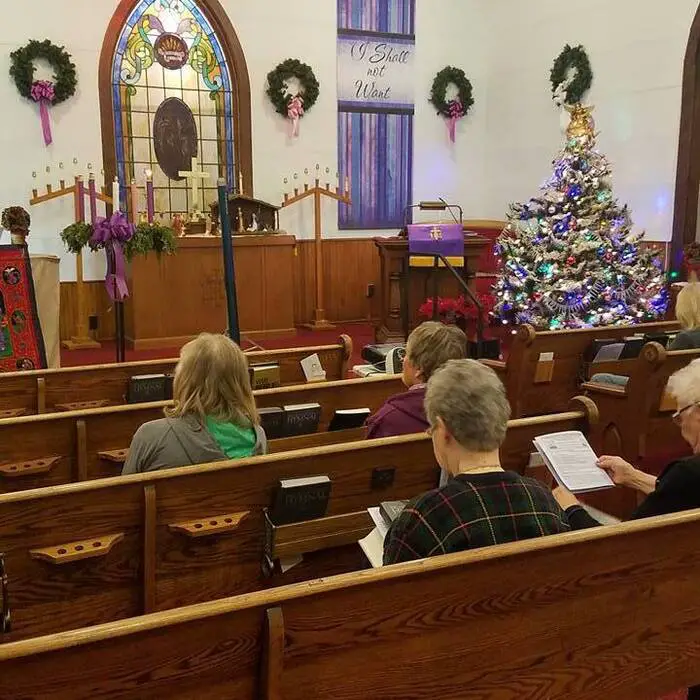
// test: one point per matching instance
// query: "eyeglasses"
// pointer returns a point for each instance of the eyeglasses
(677, 416)
(5, 622)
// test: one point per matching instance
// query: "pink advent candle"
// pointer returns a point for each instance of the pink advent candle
(134, 202)
(81, 198)
(150, 199)
(93, 198)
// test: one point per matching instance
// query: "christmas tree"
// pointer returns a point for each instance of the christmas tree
(569, 257)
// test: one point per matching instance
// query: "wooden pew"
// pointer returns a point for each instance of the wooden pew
(40, 391)
(87, 553)
(536, 385)
(58, 448)
(636, 420)
(603, 613)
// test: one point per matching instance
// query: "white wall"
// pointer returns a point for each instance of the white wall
(269, 31)
(636, 49)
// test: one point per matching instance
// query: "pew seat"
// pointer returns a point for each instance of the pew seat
(605, 613)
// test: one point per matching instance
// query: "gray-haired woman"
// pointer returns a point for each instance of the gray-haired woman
(482, 504)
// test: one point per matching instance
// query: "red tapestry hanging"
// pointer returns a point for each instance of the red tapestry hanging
(21, 341)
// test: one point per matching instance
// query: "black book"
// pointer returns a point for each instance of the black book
(296, 500)
(148, 387)
(596, 346)
(272, 422)
(264, 376)
(391, 510)
(302, 419)
(661, 338)
(633, 346)
(348, 418)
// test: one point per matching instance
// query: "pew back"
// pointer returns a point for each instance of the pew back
(563, 617)
(536, 384)
(59, 448)
(86, 553)
(39, 391)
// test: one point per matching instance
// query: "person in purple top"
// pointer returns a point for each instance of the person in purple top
(429, 347)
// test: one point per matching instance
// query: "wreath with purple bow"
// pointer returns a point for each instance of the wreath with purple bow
(453, 110)
(46, 92)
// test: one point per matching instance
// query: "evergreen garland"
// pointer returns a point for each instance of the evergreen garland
(277, 85)
(22, 69)
(447, 76)
(572, 58)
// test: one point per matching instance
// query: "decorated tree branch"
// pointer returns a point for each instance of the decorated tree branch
(45, 92)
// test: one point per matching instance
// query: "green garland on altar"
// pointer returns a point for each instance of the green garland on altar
(570, 58)
(149, 238)
(446, 77)
(22, 69)
(277, 89)
(76, 236)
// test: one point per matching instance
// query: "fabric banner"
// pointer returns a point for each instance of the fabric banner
(376, 61)
(435, 239)
(21, 341)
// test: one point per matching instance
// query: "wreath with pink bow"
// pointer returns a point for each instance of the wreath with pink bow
(45, 92)
(456, 108)
(292, 106)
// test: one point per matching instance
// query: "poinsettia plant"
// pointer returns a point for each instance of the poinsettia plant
(456, 310)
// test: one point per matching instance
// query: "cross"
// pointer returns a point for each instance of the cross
(195, 175)
(436, 233)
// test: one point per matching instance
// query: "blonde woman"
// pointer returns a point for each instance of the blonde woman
(213, 416)
(688, 315)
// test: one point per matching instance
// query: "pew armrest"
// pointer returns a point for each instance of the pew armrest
(77, 551)
(215, 525)
(32, 468)
(498, 366)
(82, 405)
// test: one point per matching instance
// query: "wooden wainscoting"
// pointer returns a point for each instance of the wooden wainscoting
(349, 266)
(97, 303)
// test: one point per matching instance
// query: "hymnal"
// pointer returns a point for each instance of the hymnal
(272, 422)
(572, 461)
(391, 510)
(313, 369)
(145, 388)
(302, 419)
(296, 500)
(264, 376)
(348, 418)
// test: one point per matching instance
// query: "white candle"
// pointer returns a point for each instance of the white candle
(115, 195)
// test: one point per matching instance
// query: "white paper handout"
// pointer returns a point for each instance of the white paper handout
(572, 461)
(313, 369)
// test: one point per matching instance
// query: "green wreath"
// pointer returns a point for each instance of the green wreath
(443, 79)
(277, 85)
(22, 69)
(572, 57)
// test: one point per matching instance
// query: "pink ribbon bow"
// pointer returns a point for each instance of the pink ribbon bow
(43, 92)
(295, 110)
(111, 234)
(456, 111)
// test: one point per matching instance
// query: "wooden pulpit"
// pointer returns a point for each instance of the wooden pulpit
(404, 289)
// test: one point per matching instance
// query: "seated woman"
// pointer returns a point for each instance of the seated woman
(428, 347)
(678, 486)
(688, 315)
(482, 504)
(213, 416)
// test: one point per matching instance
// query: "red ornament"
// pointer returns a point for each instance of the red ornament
(537, 296)
(570, 260)
(572, 224)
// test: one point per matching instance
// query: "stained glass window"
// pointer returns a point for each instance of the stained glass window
(173, 99)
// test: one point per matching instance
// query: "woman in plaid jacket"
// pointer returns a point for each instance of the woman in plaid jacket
(482, 504)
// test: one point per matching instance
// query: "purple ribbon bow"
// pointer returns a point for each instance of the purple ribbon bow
(43, 92)
(111, 234)
(456, 112)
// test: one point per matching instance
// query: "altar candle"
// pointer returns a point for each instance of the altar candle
(240, 182)
(134, 202)
(347, 185)
(93, 198)
(115, 195)
(150, 199)
(81, 198)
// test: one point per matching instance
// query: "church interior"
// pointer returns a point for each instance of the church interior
(350, 349)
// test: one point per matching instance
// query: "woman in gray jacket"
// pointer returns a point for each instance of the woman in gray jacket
(213, 416)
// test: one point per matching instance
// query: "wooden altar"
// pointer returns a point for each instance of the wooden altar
(403, 290)
(176, 297)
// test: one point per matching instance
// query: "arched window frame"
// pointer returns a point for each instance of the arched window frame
(238, 71)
